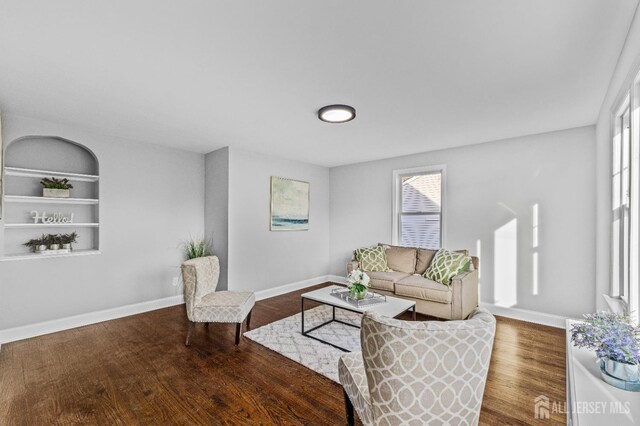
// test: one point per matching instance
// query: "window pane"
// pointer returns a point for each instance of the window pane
(420, 231)
(421, 193)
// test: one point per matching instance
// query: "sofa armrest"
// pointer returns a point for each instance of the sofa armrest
(351, 266)
(465, 294)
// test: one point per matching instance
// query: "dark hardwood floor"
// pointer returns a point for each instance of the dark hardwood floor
(137, 370)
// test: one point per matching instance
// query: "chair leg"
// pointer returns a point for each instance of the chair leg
(238, 327)
(249, 319)
(191, 327)
(349, 407)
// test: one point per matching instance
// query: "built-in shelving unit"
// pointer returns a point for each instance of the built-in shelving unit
(19, 171)
(51, 225)
(48, 200)
(30, 256)
(27, 161)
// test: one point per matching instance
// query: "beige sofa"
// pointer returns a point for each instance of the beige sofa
(405, 280)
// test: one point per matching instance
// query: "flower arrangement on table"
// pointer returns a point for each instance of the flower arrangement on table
(358, 283)
(616, 341)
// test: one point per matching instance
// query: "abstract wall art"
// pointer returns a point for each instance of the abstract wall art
(289, 204)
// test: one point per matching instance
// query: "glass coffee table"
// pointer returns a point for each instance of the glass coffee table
(391, 307)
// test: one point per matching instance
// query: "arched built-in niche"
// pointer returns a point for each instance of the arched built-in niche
(27, 161)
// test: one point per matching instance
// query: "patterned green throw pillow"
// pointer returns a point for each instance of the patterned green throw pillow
(446, 265)
(372, 259)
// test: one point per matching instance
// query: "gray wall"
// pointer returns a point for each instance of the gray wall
(216, 217)
(491, 189)
(626, 69)
(259, 258)
(151, 200)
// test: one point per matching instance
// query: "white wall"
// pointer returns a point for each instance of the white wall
(151, 200)
(259, 258)
(216, 216)
(628, 65)
(491, 189)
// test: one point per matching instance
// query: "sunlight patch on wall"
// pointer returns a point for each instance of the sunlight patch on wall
(505, 264)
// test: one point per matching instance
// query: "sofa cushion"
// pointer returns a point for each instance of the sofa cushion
(446, 265)
(385, 280)
(419, 287)
(401, 259)
(371, 259)
(423, 259)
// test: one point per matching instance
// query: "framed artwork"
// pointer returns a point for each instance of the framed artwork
(289, 205)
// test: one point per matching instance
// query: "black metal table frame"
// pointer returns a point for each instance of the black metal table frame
(333, 319)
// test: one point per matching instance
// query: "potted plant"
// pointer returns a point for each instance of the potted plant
(616, 341)
(37, 244)
(55, 188)
(358, 283)
(197, 247)
(53, 241)
(67, 239)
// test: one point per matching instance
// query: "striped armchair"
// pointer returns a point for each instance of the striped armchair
(418, 373)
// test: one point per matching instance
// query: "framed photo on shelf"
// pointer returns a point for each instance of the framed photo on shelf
(289, 205)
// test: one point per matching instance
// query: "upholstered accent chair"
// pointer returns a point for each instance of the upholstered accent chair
(205, 304)
(418, 373)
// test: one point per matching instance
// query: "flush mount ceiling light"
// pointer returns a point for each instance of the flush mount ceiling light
(337, 113)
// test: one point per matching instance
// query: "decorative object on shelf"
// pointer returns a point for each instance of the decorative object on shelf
(38, 244)
(56, 188)
(616, 341)
(289, 205)
(50, 243)
(358, 283)
(67, 239)
(51, 219)
(197, 247)
(54, 241)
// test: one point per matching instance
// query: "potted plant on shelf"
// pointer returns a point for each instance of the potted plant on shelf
(616, 341)
(67, 239)
(37, 244)
(53, 241)
(358, 283)
(55, 188)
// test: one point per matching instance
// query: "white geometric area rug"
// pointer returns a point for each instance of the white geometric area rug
(285, 337)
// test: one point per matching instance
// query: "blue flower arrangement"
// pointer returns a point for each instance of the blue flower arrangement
(613, 336)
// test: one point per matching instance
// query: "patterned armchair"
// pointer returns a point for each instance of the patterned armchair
(418, 373)
(205, 304)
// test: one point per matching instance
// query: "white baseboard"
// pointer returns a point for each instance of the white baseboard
(38, 329)
(526, 315)
(338, 279)
(287, 288)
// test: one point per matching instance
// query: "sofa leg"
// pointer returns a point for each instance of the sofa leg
(191, 327)
(238, 327)
(349, 408)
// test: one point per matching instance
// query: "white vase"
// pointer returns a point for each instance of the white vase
(621, 370)
(54, 246)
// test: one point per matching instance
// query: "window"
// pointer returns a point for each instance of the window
(625, 252)
(418, 207)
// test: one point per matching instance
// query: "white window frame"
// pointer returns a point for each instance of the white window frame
(629, 98)
(397, 192)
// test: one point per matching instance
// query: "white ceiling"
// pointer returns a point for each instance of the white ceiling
(201, 75)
